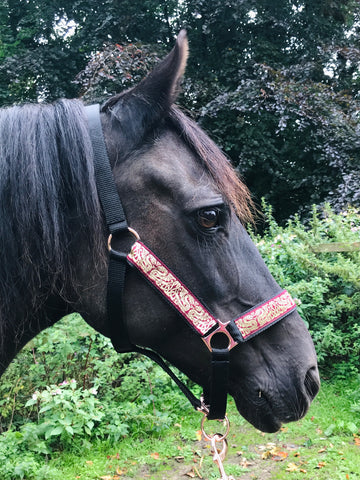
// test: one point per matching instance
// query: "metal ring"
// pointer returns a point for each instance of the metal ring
(220, 437)
(221, 328)
(134, 234)
(130, 230)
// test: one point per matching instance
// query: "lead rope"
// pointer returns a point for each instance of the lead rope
(218, 446)
(218, 453)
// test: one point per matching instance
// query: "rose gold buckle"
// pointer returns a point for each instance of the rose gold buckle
(220, 329)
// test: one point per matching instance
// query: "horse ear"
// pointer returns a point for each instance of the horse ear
(162, 84)
(139, 108)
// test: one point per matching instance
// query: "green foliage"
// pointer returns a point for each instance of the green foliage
(275, 83)
(18, 462)
(296, 145)
(64, 411)
(68, 388)
(53, 357)
(328, 434)
(341, 427)
(44, 45)
(327, 285)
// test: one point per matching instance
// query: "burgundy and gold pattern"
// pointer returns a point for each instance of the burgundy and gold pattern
(265, 314)
(165, 281)
(171, 287)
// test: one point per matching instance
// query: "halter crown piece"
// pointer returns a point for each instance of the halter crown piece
(198, 317)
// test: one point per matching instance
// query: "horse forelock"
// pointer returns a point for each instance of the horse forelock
(207, 152)
(47, 196)
(217, 164)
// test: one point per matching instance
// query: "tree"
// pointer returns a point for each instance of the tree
(296, 145)
(44, 45)
(280, 95)
(275, 82)
(115, 68)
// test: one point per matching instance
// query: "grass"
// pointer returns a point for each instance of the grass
(322, 446)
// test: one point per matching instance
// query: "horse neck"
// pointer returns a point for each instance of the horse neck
(23, 328)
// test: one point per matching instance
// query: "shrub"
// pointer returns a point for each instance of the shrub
(69, 387)
(327, 285)
(65, 411)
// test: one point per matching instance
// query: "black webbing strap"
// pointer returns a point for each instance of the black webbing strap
(219, 383)
(116, 223)
(195, 402)
(107, 191)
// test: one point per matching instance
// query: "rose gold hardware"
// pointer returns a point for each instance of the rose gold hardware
(218, 454)
(134, 234)
(130, 230)
(203, 408)
(220, 437)
(220, 329)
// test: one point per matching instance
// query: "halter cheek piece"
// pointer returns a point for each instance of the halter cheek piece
(220, 337)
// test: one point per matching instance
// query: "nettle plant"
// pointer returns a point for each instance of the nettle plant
(326, 284)
(65, 410)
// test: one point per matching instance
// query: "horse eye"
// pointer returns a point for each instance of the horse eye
(208, 217)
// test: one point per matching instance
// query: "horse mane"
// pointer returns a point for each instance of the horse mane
(217, 164)
(47, 194)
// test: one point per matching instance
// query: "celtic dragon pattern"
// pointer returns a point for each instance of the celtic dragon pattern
(166, 282)
(171, 287)
(264, 315)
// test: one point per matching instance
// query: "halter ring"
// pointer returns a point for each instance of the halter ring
(130, 230)
(220, 329)
(220, 437)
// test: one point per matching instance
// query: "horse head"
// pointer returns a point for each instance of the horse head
(181, 195)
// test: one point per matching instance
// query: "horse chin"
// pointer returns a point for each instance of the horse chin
(265, 415)
(260, 415)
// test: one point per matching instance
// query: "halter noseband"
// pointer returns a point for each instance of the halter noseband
(198, 317)
(238, 330)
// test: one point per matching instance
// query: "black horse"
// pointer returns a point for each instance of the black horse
(180, 193)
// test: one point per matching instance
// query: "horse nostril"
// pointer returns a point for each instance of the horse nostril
(312, 382)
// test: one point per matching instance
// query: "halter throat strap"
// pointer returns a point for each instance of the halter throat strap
(116, 224)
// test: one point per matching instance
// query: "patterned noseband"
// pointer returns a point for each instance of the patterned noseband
(240, 329)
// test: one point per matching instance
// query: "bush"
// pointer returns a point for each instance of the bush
(68, 387)
(327, 285)
(64, 411)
